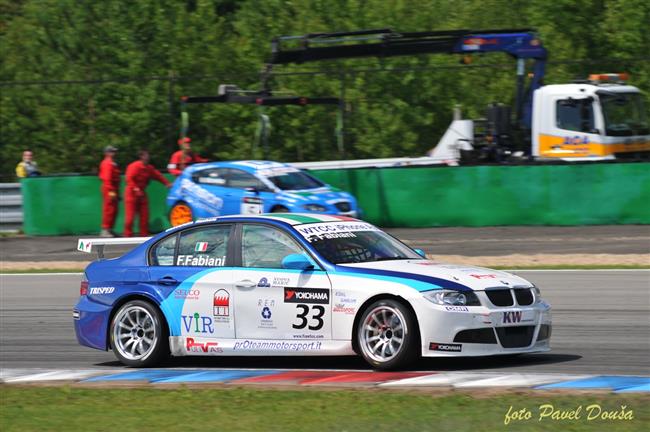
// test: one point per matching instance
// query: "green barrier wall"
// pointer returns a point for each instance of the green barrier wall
(588, 194)
(73, 205)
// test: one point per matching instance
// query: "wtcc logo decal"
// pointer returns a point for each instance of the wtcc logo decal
(263, 283)
(307, 295)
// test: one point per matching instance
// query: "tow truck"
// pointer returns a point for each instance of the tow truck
(601, 118)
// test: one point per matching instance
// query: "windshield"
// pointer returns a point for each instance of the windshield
(294, 180)
(354, 242)
(624, 114)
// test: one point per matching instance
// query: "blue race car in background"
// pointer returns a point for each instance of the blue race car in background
(252, 187)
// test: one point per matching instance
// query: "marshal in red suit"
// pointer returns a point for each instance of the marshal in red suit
(138, 176)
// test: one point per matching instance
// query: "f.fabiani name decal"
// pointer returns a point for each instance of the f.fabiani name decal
(201, 260)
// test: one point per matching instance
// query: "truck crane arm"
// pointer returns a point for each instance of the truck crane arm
(521, 44)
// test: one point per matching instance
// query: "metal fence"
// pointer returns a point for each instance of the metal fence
(11, 207)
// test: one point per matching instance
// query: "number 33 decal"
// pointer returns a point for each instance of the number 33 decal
(319, 311)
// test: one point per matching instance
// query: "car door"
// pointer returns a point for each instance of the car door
(206, 192)
(276, 303)
(244, 192)
(196, 281)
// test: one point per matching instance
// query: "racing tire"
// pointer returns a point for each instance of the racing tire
(280, 209)
(387, 336)
(180, 213)
(138, 335)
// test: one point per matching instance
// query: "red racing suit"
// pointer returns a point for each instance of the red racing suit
(179, 161)
(109, 173)
(138, 175)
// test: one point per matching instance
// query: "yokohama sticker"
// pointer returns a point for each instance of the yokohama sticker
(445, 347)
(307, 295)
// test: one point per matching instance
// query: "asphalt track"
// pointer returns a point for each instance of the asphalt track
(601, 325)
(483, 241)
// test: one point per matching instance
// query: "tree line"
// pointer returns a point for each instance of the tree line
(77, 75)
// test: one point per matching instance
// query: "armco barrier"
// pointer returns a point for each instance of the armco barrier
(11, 211)
(587, 194)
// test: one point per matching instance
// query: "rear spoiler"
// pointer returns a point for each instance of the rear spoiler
(97, 244)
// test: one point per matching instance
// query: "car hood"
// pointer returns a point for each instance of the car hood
(444, 275)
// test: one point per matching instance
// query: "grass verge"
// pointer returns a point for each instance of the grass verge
(68, 408)
(42, 270)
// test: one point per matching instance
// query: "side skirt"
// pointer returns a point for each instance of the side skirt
(185, 345)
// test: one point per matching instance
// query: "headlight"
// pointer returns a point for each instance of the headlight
(453, 298)
(314, 207)
(538, 294)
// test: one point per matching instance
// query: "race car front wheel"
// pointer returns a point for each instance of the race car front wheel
(279, 209)
(138, 336)
(179, 214)
(387, 335)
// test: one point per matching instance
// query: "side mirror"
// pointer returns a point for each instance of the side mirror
(297, 262)
(420, 252)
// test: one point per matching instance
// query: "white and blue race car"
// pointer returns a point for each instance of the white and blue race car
(252, 187)
(299, 284)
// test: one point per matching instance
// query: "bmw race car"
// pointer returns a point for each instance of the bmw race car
(252, 187)
(299, 284)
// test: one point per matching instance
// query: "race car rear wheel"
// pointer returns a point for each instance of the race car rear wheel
(179, 214)
(387, 335)
(138, 336)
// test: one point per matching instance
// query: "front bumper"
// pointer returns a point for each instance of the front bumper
(329, 210)
(483, 330)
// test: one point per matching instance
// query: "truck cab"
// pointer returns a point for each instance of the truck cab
(593, 120)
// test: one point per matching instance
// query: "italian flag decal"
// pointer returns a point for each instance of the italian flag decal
(201, 247)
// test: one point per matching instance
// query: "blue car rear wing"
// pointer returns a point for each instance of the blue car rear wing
(89, 245)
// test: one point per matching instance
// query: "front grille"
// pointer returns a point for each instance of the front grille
(524, 296)
(544, 332)
(500, 297)
(515, 337)
(503, 297)
(482, 335)
(343, 206)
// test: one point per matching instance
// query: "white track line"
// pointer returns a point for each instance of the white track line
(48, 375)
(576, 270)
(518, 380)
(438, 379)
(482, 379)
(39, 274)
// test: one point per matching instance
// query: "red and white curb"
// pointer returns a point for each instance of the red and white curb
(346, 378)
